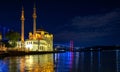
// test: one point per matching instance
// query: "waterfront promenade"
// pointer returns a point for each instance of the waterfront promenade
(23, 51)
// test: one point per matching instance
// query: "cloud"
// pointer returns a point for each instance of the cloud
(92, 28)
(96, 20)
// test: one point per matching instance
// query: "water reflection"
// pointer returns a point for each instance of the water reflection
(91, 61)
(105, 61)
(118, 60)
(4, 65)
(30, 63)
(64, 62)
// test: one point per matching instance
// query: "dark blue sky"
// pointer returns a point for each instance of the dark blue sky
(86, 22)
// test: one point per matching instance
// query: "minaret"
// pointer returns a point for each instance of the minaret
(22, 25)
(34, 19)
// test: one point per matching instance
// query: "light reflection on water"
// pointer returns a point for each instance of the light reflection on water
(106, 61)
(30, 63)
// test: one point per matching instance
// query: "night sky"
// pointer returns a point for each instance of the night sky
(87, 23)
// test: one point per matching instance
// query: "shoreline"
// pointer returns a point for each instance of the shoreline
(22, 53)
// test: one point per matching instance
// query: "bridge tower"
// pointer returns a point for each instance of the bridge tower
(71, 45)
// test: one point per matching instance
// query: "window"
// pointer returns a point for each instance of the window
(35, 42)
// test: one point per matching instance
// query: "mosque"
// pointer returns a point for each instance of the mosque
(39, 40)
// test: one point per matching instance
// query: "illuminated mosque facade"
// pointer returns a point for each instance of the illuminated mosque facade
(39, 40)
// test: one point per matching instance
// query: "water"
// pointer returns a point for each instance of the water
(106, 61)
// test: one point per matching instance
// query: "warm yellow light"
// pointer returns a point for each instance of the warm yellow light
(42, 32)
(28, 46)
(30, 33)
(47, 35)
(51, 35)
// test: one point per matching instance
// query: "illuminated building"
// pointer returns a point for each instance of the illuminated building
(39, 40)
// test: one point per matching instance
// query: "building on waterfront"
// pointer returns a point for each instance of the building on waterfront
(39, 40)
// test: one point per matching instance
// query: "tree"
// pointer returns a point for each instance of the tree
(13, 37)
